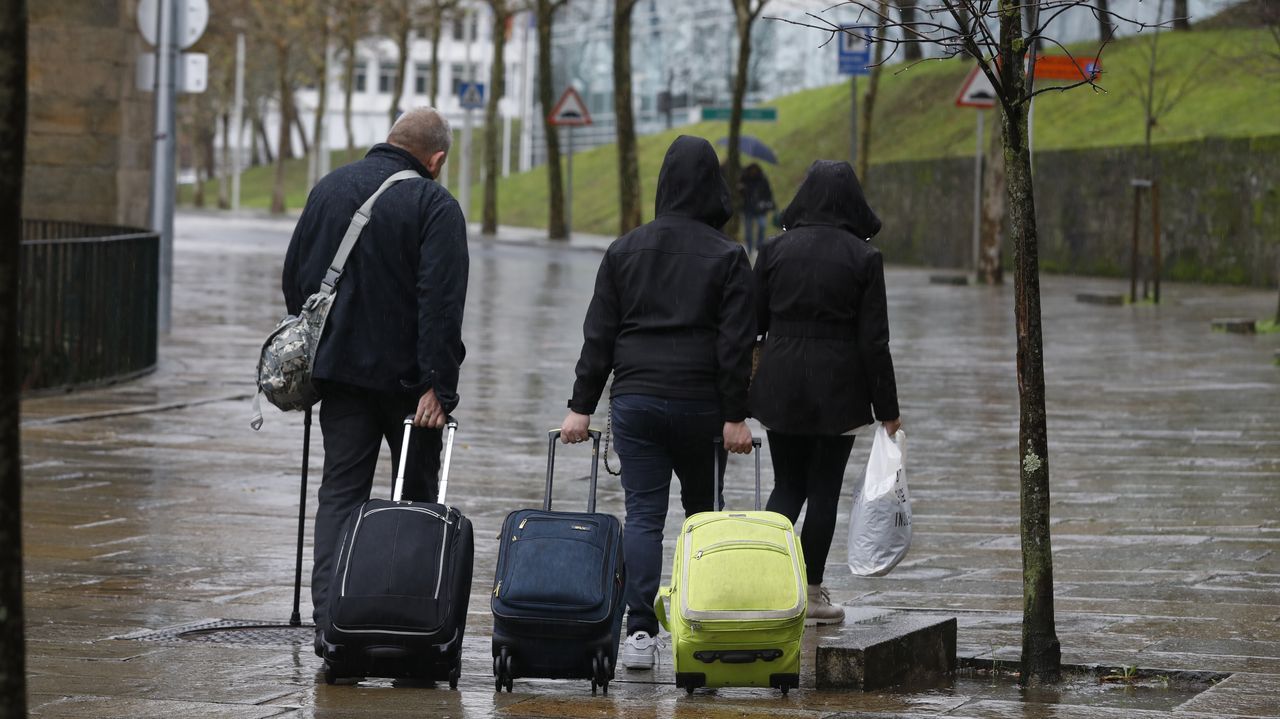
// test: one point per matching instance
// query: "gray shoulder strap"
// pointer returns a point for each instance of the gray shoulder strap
(358, 221)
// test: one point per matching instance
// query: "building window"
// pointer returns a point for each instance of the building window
(386, 77)
(361, 76)
(421, 78)
(460, 28)
(459, 73)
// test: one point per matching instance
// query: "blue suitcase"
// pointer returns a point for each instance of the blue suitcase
(557, 597)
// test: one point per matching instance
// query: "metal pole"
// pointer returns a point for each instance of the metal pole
(506, 144)
(1155, 232)
(237, 122)
(977, 200)
(163, 174)
(1133, 251)
(464, 178)
(853, 123)
(568, 202)
(526, 105)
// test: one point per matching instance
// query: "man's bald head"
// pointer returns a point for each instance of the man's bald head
(424, 133)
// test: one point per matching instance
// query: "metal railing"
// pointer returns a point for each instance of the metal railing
(87, 303)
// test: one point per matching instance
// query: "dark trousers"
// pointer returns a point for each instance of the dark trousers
(809, 467)
(355, 422)
(654, 437)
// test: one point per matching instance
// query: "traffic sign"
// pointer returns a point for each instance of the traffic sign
(471, 95)
(752, 114)
(191, 73)
(570, 111)
(1063, 67)
(193, 18)
(855, 50)
(977, 91)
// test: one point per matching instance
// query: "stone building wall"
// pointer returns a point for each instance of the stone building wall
(88, 152)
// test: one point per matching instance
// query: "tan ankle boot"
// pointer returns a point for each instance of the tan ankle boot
(821, 610)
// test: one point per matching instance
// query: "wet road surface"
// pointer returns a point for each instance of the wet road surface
(151, 505)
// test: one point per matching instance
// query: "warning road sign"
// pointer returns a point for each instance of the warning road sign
(977, 91)
(471, 95)
(570, 111)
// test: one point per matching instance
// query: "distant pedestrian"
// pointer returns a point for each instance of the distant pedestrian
(393, 343)
(757, 204)
(672, 320)
(825, 365)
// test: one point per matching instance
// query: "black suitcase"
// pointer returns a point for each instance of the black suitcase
(401, 585)
(557, 597)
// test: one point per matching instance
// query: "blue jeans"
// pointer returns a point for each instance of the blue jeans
(655, 436)
(755, 231)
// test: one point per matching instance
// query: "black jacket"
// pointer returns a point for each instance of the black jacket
(672, 313)
(396, 324)
(757, 195)
(821, 298)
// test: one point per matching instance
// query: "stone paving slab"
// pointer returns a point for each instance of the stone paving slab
(155, 506)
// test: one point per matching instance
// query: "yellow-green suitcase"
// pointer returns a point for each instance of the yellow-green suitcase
(737, 602)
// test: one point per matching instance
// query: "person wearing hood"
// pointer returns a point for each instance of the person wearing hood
(672, 318)
(825, 370)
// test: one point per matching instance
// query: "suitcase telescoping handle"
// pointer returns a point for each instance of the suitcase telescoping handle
(715, 478)
(450, 428)
(552, 438)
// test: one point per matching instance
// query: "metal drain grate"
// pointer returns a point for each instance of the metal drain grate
(231, 631)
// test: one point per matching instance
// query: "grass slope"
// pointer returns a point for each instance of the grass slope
(1230, 93)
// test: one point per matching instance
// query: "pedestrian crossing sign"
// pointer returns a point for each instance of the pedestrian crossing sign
(471, 95)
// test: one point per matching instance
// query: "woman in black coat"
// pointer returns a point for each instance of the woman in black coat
(825, 365)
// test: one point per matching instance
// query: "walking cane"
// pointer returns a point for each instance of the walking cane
(296, 619)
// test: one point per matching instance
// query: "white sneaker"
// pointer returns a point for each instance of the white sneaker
(639, 651)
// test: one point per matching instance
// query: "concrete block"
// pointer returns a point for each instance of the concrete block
(879, 649)
(1099, 298)
(1236, 325)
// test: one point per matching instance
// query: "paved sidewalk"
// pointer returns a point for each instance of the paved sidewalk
(151, 505)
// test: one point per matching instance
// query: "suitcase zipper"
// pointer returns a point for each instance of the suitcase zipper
(444, 544)
(356, 530)
(710, 549)
(497, 588)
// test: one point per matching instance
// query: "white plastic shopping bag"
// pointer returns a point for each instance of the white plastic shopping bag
(880, 521)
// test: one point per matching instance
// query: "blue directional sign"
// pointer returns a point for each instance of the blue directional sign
(471, 95)
(855, 51)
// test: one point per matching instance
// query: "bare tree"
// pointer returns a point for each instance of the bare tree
(13, 118)
(1158, 97)
(503, 10)
(869, 97)
(323, 15)
(991, 32)
(628, 163)
(352, 23)
(399, 18)
(907, 11)
(1181, 18)
(546, 10)
(438, 13)
(1106, 31)
(746, 12)
(282, 25)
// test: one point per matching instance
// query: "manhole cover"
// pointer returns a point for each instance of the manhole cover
(230, 631)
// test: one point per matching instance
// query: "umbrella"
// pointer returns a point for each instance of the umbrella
(753, 147)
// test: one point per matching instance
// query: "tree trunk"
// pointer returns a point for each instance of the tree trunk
(492, 123)
(224, 173)
(437, 29)
(13, 117)
(1180, 20)
(546, 96)
(284, 150)
(628, 163)
(910, 49)
(733, 165)
(869, 99)
(1041, 651)
(991, 227)
(322, 99)
(302, 132)
(1106, 30)
(348, 89)
(404, 25)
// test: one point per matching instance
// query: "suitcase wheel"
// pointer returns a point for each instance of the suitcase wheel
(503, 671)
(455, 672)
(601, 673)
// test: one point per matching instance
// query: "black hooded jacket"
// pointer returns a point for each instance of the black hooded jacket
(821, 299)
(672, 313)
(396, 324)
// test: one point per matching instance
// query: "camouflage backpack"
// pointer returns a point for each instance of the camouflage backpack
(289, 354)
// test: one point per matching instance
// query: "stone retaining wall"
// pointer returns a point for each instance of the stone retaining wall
(1220, 210)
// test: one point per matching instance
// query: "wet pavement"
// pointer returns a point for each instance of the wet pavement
(152, 505)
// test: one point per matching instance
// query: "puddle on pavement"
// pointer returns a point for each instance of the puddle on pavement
(1143, 691)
